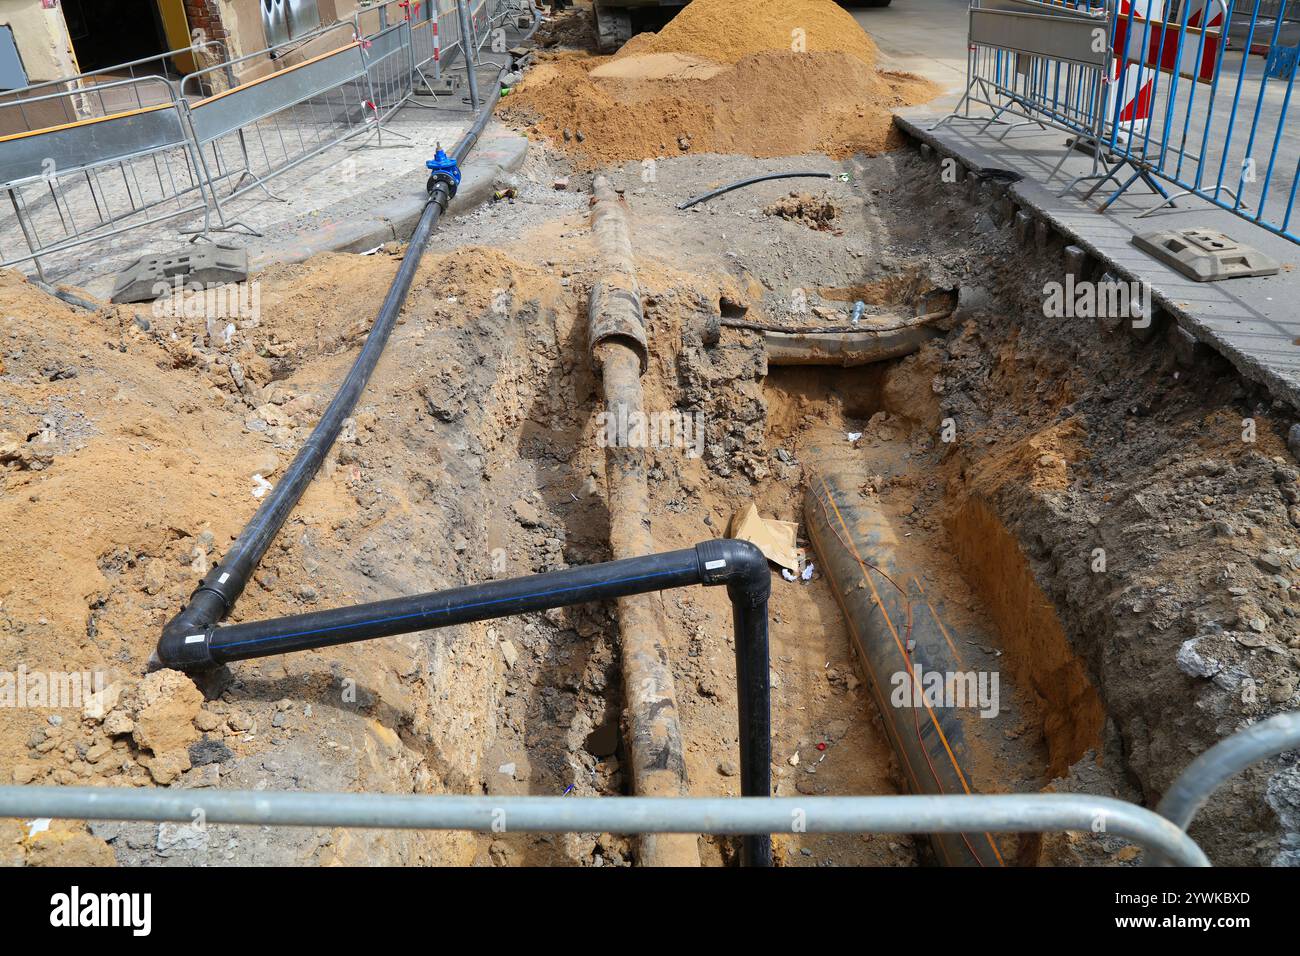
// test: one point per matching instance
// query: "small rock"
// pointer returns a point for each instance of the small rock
(166, 721)
(117, 723)
(526, 513)
(509, 654)
(179, 838)
(166, 767)
(1270, 563)
(155, 576)
(209, 775)
(209, 750)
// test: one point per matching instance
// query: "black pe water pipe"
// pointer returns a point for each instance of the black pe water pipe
(222, 586)
(737, 564)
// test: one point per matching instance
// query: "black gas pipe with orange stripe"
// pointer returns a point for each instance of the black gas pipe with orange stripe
(897, 634)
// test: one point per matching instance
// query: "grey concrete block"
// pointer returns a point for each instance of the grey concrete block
(1004, 210)
(1024, 227)
(1042, 234)
(192, 267)
(1205, 255)
(1188, 350)
(1143, 330)
(1109, 323)
(1077, 262)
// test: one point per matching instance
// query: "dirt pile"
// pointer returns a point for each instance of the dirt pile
(722, 76)
(815, 212)
(727, 31)
(573, 29)
(602, 111)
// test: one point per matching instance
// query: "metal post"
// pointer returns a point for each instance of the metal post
(471, 54)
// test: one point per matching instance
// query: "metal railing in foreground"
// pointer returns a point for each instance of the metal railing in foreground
(1007, 813)
(1162, 833)
(100, 177)
(248, 133)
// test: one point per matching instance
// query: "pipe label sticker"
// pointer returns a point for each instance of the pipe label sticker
(714, 565)
(195, 638)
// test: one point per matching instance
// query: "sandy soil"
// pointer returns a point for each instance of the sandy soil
(130, 441)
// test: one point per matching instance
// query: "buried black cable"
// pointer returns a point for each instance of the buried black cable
(741, 183)
(737, 564)
(222, 586)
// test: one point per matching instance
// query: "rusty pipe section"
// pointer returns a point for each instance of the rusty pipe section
(846, 349)
(902, 642)
(620, 353)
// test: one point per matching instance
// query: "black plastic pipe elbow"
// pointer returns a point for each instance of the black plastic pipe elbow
(193, 642)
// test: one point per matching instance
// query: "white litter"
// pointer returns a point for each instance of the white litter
(38, 826)
(854, 436)
(789, 575)
(807, 572)
(260, 486)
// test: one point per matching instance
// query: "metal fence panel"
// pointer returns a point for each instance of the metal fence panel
(226, 112)
(89, 143)
(138, 150)
(1179, 105)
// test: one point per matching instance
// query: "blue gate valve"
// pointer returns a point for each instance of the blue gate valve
(443, 169)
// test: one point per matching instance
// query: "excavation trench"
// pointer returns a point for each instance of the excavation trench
(1001, 455)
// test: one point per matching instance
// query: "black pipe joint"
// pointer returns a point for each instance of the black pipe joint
(740, 566)
(441, 188)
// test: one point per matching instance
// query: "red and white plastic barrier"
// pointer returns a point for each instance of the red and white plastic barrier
(1133, 80)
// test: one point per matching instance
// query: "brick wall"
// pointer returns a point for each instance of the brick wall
(205, 15)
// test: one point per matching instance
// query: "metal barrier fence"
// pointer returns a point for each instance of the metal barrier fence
(100, 152)
(89, 157)
(1000, 813)
(253, 131)
(1177, 104)
(1163, 833)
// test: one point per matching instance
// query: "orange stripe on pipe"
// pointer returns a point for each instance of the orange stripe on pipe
(830, 498)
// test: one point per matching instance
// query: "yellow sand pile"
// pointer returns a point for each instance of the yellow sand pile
(727, 30)
(757, 77)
